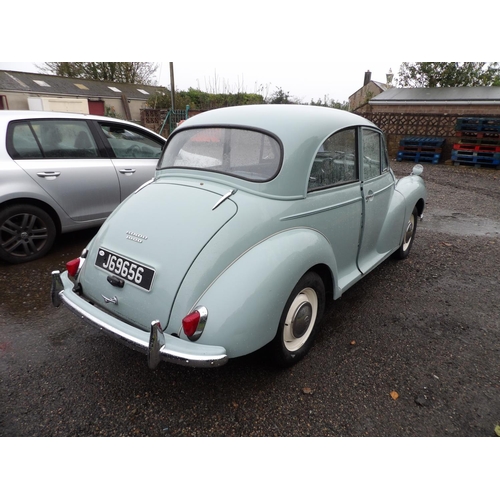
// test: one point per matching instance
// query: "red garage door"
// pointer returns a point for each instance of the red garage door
(96, 108)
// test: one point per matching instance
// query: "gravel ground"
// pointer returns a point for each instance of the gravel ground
(411, 350)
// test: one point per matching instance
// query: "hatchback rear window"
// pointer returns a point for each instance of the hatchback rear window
(249, 154)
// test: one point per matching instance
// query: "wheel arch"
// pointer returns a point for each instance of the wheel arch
(420, 205)
(326, 275)
(246, 301)
(37, 203)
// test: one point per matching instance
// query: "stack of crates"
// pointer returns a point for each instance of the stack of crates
(478, 143)
(420, 149)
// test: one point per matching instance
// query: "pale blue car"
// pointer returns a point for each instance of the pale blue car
(256, 215)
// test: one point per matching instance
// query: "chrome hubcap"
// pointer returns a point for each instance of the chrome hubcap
(301, 320)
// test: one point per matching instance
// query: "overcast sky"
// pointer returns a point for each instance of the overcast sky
(310, 50)
(302, 80)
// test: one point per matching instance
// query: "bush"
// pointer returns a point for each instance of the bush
(197, 99)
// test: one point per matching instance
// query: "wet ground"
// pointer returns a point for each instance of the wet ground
(411, 350)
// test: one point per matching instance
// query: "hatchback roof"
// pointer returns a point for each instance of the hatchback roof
(14, 114)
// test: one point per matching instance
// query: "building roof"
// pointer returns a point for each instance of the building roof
(382, 86)
(36, 83)
(439, 95)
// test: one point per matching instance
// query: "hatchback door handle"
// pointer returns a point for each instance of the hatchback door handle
(48, 174)
(127, 171)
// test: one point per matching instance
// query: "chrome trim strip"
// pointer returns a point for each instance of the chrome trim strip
(320, 210)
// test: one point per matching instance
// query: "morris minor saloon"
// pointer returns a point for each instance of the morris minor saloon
(255, 216)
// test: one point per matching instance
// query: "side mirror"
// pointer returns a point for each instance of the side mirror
(417, 170)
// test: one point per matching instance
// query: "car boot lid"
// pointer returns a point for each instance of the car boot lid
(129, 257)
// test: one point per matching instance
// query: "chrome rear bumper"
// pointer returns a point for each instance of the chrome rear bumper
(155, 344)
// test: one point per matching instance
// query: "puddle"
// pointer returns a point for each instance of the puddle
(442, 221)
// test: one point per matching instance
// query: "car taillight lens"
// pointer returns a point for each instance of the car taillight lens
(190, 323)
(72, 266)
(194, 323)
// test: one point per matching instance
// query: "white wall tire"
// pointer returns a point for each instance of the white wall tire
(299, 320)
(409, 236)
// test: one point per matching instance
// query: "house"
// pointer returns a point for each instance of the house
(369, 90)
(21, 90)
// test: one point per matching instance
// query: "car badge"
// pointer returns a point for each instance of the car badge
(138, 238)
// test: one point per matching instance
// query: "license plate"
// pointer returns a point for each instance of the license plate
(127, 269)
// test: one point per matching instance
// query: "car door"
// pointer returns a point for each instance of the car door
(62, 156)
(334, 199)
(134, 154)
(378, 184)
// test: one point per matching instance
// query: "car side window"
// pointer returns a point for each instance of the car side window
(129, 142)
(23, 143)
(372, 154)
(335, 162)
(52, 139)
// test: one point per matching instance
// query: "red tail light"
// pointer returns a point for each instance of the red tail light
(194, 323)
(72, 266)
(190, 323)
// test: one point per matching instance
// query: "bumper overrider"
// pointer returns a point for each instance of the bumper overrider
(157, 345)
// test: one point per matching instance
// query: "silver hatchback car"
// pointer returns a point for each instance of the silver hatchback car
(60, 172)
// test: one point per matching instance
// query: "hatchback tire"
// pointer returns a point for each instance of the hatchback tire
(27, 233)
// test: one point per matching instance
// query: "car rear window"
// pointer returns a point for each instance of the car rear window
(249, 154)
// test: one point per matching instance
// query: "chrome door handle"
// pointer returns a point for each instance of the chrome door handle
(369, 196)
(127, 171)
(48, 174)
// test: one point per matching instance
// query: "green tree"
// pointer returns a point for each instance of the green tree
(279, 96)
(448, 74)
(118, 72)
(330, 103)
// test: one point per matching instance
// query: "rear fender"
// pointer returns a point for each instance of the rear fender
(246, 301)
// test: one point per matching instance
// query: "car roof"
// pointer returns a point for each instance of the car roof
(11, 114)
(302, 129)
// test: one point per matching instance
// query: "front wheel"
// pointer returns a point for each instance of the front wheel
(411, 226)
(299, 320)
(26, 233)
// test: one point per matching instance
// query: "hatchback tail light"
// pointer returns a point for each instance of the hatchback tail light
(194, 323)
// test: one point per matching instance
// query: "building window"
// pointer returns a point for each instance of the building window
(41, 83)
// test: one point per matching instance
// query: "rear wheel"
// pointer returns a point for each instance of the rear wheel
(299, 320)
(26, 233)
(411, 226)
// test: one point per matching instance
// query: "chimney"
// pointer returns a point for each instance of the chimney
(368, 77)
